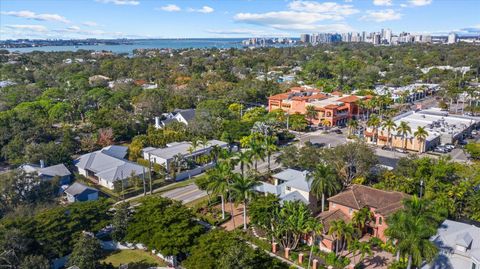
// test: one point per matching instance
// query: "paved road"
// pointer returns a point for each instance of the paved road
(329, 139)
(185, 194)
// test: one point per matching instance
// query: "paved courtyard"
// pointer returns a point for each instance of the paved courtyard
(185, 194)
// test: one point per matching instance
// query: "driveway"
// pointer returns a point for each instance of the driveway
(185, 194)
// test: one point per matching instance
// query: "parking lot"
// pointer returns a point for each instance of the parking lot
(330, 139)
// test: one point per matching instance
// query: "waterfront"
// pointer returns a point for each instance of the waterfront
(145, 44)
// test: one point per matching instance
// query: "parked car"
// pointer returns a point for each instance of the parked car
(440, 149)
(338, 131)
(474, 132)
(449, 146)
(319, 145)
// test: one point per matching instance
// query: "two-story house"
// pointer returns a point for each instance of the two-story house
(290, 185)
(343, 206)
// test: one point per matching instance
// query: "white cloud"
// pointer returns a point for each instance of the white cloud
(302, 16)
(382, 15)
(27, 14)
(419, 3)
(170, 8)
(120, 2)
(382, 2)
(28, 27)
(204, 9)
(90, 23)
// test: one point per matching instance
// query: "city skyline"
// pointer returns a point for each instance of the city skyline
(214, 19)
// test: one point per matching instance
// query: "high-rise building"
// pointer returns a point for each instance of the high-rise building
(377, 38)
(452, 38)
(305, 38)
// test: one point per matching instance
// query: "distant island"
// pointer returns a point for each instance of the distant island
(29, 43)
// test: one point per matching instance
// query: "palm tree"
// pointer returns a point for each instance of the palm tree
(326, 123)
(404, 129)
(374, 123)
(244, 158)
(336, 231)
(389, 125)
(316, 228)
(242, 189)
(361, 217)
(204, 142)
(311, 113)
(412, 229)
(349, 233)
(324, 182)
(217, 185)
(352, 125)
(257, 150)
(421, 135)
(270, 147)
(365, 249)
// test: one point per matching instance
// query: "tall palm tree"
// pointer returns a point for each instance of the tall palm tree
(204, 142)
(324, 182)
(421, 135)
(311, 113)
(244, 158)
(374, 123)
(217, 185)
(349, 232)
(242, 190)
(404, 129)
(270, 147)
(352, 125)
(389, 125)
(257, 150)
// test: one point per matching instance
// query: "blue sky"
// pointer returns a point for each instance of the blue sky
(230, 18)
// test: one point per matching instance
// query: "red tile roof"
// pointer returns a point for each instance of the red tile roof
(349, 99)
(359, 196)
(330, 106)
(280, 96)
(337, 93)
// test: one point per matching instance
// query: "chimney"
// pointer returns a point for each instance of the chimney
(42, 164)
(157, 122)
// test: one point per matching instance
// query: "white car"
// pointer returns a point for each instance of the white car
(474, 132)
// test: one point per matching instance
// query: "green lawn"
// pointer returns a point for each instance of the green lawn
(137, 259)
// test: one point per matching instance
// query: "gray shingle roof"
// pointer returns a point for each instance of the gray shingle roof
(293, 196)
(78, 188)
(187, 114)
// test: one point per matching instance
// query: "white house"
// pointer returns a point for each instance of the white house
(185, 116)
(290, 185)
(108, 165)
(458, 244)
(165, 156)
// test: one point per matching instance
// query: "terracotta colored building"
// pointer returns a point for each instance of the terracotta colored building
(332, 108)
(343, 205)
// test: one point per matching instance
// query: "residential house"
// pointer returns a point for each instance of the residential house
(458, 244)
(343, 206)
(290, 185)
(166, 156)
(108, 165)
(78, 192)
(59, 171)
(185, 116)
(333, 109)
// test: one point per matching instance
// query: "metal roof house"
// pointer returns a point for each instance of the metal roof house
(290, 185)
(78, 192)
(108, 165)
(459, 245)
(49, 172)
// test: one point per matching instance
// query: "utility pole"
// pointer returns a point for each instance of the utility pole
(144, 187)
(123, 190)
(150, 172)
(421, 188)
